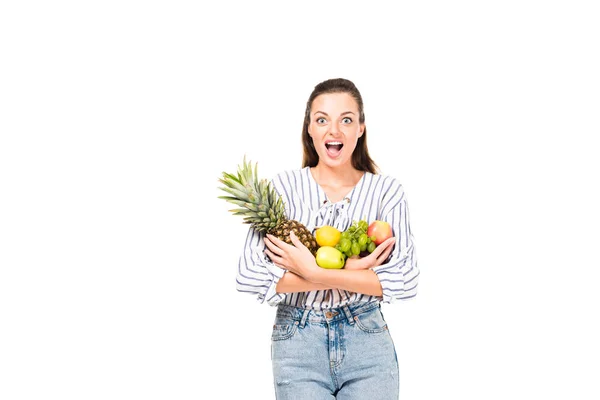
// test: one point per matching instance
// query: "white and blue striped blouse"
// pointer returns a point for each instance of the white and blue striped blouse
(375, 197)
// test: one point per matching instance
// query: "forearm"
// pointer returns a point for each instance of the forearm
(291, 283)
(363, 281)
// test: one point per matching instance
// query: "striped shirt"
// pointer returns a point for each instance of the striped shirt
(375, 197)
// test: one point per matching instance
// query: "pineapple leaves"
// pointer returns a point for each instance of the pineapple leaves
(227, 176)
(256, 172)
(236, 193)
(257, 201)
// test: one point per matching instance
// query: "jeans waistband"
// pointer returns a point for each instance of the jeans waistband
(304, 315)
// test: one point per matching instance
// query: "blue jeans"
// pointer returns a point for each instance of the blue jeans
(343, 353)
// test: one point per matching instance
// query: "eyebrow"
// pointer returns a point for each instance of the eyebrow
(344, 113)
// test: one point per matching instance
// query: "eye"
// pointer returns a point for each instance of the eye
(347, 119)
(319, 120)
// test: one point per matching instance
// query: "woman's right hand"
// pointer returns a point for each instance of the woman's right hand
(376, 258)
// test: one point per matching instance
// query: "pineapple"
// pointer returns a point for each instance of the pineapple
(262, 207)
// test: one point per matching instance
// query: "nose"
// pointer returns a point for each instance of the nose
(334, 128)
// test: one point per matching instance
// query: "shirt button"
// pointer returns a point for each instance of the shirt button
(328, 314)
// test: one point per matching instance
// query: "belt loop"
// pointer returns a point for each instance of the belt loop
(348, 314)
(304, 317)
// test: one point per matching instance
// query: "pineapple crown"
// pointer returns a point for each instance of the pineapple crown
(258, 202)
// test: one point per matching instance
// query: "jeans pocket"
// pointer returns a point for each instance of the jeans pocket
(284, 329)
(371, 321)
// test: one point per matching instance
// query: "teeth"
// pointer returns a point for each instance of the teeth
(333, 143)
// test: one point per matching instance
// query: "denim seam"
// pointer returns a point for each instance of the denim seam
(333, 375)
(365, 308)
(289, 334)
(368, 330)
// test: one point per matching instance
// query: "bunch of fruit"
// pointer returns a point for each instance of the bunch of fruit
(360, 239)
(262, 208)
(355, 240)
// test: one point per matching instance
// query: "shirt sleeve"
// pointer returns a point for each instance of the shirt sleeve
(399, 275)
(257, 274)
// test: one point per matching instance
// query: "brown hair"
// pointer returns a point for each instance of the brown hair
(360, 157)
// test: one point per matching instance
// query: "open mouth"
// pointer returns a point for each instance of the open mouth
(334, 148)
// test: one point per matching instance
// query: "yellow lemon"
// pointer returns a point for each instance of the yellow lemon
(327, 236)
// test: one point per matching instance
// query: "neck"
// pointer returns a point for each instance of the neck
(339, 176)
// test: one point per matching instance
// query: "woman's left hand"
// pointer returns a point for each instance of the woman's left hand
(297, 259)
(376, 258)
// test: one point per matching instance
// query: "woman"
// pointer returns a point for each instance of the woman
(330, 339)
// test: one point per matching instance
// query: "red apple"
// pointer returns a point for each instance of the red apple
(381, 230)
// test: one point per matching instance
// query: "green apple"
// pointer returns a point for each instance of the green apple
(329, 257)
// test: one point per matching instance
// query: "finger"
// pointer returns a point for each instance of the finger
(280, 262)
(275, 258)
(378, 250)
(382, 247)
(294, 238)
(278, 242)
(389, 241)
(381, 259)
(273, 247)
(383, 251)
(296, 241)
(388, 244)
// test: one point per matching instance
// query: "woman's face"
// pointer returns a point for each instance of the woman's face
(334, 127)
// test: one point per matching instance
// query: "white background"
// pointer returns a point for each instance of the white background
(118, 261)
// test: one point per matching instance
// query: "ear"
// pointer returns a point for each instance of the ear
(362, 130)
